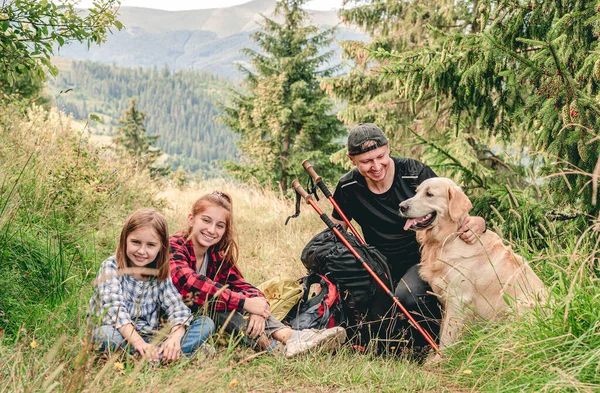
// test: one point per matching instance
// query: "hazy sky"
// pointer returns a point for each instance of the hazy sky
(175, 5)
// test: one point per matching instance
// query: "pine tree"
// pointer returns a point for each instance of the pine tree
(283, 117)
(520, 71)
(402, 26)
(530, 71)
(132, 139)
(394, 26)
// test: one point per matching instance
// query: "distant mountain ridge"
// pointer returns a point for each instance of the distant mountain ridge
(207, 39)
(223, 22)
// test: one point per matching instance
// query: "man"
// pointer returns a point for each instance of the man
(370, 194)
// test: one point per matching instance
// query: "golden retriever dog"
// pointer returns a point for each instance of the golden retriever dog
(484, 279)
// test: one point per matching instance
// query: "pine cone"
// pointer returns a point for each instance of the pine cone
(574, 109)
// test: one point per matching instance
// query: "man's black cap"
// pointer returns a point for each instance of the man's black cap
(362, 133)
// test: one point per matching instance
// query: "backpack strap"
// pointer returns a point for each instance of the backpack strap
(311, 188)
(297, 213)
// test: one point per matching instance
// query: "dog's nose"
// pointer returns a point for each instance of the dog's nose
(403, 208)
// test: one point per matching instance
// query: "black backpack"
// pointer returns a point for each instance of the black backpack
(325, 254)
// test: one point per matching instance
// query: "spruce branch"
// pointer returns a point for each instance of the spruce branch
(513, 53)
(456, 162)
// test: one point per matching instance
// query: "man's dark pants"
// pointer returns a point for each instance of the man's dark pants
(391, 327)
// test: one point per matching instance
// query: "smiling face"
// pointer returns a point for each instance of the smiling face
(144, 239)
(208, 226)
(143, 246)
(374, 164)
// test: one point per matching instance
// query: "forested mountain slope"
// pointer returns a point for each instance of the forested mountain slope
(180, 106)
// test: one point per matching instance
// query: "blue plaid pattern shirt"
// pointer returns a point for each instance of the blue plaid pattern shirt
(120, 299)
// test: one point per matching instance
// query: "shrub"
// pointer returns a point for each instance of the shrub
(61, 199)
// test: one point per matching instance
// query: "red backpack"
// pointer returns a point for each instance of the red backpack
(320, 306)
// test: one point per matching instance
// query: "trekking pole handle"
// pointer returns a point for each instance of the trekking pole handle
(318, 179)
(305, 195)
(311, 171)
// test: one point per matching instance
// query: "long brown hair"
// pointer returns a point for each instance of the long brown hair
(139, 219)
(227, 246)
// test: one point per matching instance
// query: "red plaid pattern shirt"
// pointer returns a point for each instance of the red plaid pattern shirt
(200, 289)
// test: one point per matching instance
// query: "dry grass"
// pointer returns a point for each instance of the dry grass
(68, 368)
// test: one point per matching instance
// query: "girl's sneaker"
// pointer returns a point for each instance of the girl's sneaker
(312, 339)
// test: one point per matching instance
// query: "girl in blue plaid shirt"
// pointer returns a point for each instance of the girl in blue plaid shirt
(132, 287)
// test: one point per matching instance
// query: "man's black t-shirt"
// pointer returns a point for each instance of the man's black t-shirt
(377, 214)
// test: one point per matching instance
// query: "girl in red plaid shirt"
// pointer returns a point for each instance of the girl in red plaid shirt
(204, 270)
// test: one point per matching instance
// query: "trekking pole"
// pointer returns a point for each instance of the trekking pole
(309, 199)
(321, 184)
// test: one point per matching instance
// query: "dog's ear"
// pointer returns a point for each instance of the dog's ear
(458, 203)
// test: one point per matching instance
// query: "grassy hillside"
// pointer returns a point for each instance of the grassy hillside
(55, 214)
(59, 219)
(538, 353)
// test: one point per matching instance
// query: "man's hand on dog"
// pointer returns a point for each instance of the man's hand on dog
(472, 227)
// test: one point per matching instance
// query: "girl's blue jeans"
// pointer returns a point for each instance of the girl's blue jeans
(109, 338)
